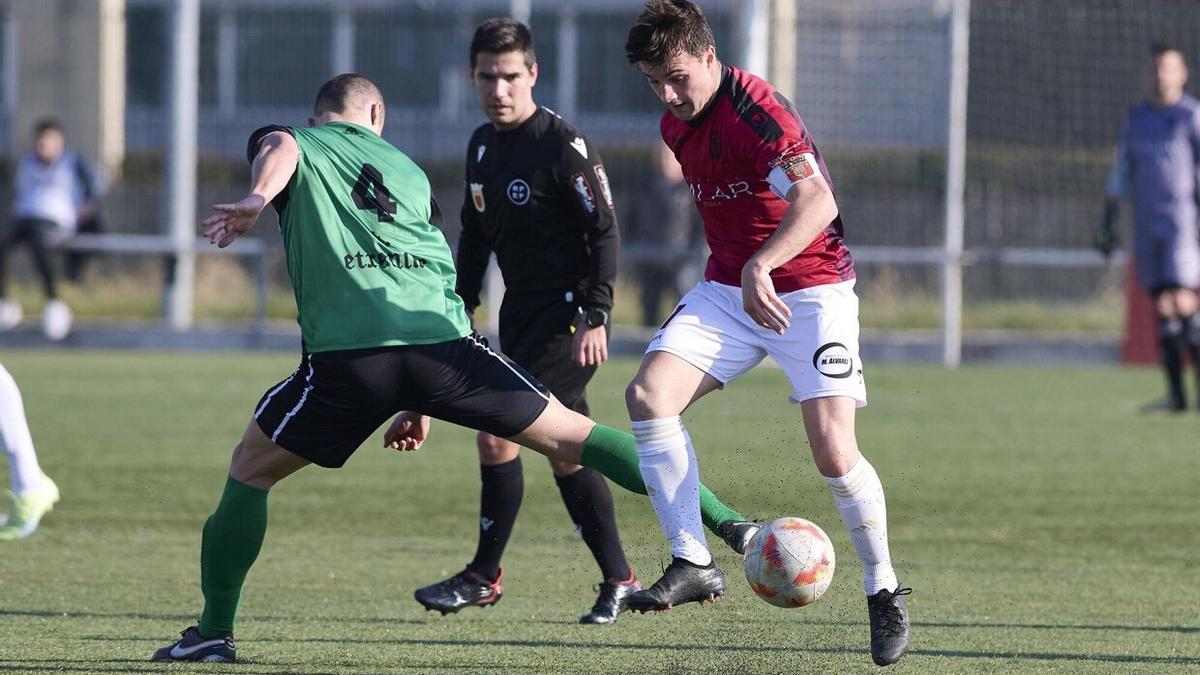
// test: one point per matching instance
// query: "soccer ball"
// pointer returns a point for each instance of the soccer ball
(789, 562)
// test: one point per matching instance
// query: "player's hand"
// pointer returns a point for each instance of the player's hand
(407, 432)
(589, 347)
(1105, 239)
(760, 300)
(230, 221)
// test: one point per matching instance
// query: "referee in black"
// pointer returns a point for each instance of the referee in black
(538, 197)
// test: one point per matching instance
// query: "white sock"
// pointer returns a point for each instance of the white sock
(672, 478)
(859, 498)
(15, 439)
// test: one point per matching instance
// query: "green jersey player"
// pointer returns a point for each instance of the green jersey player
(383, 331)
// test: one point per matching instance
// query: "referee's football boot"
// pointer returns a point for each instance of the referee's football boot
(191, 646)
(737, 533)
(612, 600)
(889, 625)
(683, 581)
(464, 589)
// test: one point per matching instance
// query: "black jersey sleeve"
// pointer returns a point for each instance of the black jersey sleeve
(582, 174)
(257, 137)
(252, 147)
(473, 254)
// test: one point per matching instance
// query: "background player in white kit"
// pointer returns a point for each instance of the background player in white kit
(779, 282)
(33, 494)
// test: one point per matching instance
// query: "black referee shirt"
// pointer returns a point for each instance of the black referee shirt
(538, 196)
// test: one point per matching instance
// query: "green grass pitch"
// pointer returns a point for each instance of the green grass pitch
(1045, 523)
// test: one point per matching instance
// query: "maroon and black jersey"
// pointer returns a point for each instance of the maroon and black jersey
(726, 153)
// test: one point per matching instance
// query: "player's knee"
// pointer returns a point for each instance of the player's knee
(258, 462)
(246, 468)
(1186, 302)
(493, 450)
(563, 469)
(1165, 306)
(642, 401)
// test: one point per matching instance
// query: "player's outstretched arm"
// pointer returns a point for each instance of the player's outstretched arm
(273, 166)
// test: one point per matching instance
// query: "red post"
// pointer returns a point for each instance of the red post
(1141, 330)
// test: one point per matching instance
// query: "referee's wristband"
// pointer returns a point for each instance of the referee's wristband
(594, 317)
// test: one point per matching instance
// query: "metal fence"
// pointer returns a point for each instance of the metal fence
(1048, 84)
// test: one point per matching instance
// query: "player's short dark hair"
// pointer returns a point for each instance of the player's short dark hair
(47, 124)
(503, 35)
(336, 94)
(666, 28)
(1161, 47)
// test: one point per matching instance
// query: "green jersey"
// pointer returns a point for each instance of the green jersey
(367, 266)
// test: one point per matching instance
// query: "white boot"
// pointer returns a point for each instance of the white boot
(56, 319)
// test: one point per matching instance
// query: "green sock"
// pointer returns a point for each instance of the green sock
(614, 454)
(232, 538)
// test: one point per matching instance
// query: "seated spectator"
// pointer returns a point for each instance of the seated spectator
(54, 192)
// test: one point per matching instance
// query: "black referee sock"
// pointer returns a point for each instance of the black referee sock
(1172, 343)
(590, 504)
(499, 501)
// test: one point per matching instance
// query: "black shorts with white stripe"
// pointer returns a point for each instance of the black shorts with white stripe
(336, 400)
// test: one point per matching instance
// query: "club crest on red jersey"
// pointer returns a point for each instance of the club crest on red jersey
(799, 167)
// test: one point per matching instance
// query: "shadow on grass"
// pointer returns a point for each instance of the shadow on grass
(1061, 626)
(1183, 630)
(1053, 656)
(192, 617)
(125, 666)
(720, 648)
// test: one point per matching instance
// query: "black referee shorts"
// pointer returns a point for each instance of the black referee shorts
(336, 400)
(535, 332)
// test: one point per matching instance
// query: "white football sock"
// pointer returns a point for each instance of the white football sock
(15, 439)
(672, 478)
(859, 498)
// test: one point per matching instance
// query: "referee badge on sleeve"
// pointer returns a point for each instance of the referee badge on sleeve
(477, 196)
(605, 188)
(586, 199)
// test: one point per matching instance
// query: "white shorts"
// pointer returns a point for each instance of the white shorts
(819, 351)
